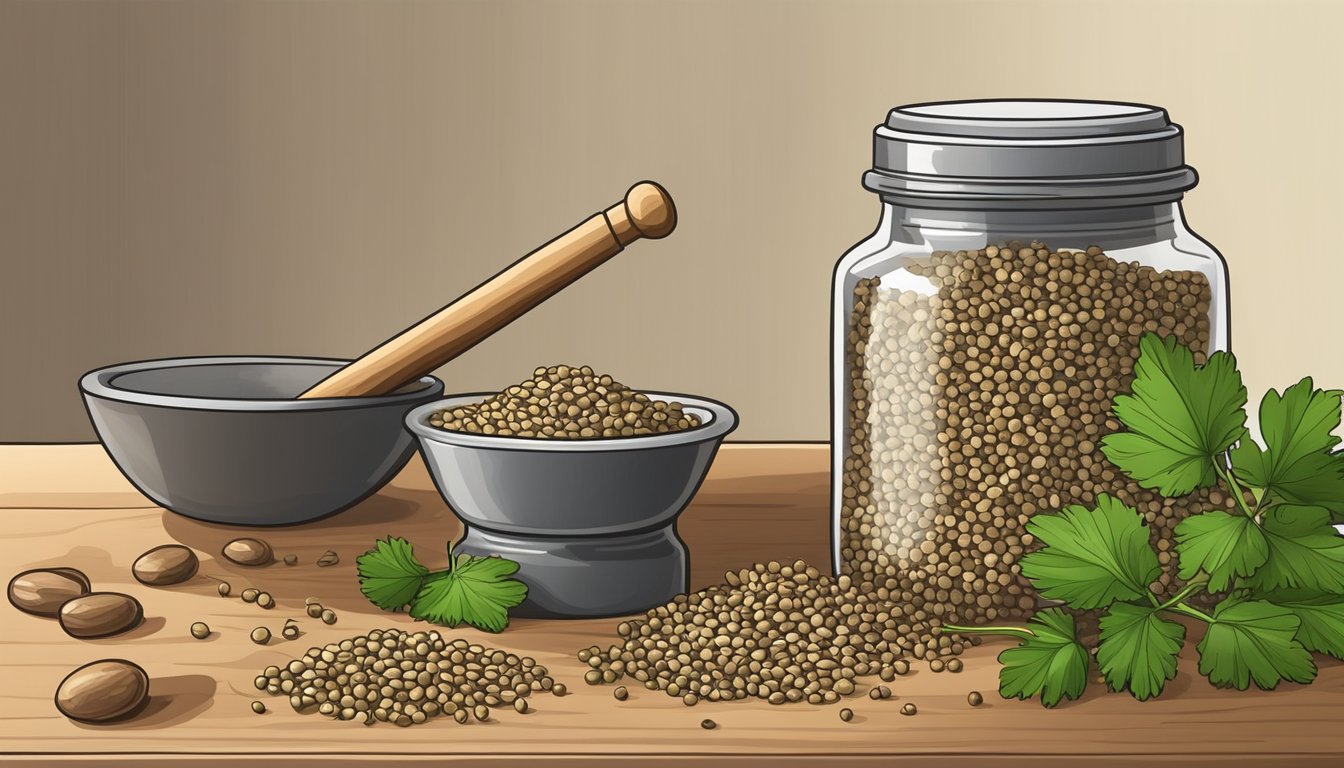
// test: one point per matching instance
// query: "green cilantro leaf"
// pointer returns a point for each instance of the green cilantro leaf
(1322, 617)
(1180, 417)
(1297, 465)
(1091, 557)
(1305, 551)
(389, 574)
(1253, 642)
(1222, 545)
(1138, 649)
(477, 591)
(1051, 663)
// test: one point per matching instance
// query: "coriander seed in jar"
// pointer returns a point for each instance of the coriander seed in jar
(981, 333)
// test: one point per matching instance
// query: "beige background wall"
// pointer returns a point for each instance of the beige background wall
(306, 178)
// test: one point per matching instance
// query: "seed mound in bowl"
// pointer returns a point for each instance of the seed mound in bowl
(566, 402)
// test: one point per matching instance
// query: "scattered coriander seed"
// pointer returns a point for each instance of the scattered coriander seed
(887, 674)
(937, 665)
(908, 709)
(291, 559)
(621, 693)
(265, 600)
(780, 631)
(224, 589)
(690, 699)
(559, 689)
(954, 665)
(885, 691)
(846, 714)
(290, 630)
(406, 678)
(261, 635)
(708, 724)
(565, 402)
(328, 616)
(250, 595)
(975, 699)
(314, 610)
(200, 630)
(328, 559)
(259, 707)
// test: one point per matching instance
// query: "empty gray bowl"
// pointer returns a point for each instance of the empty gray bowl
(222, 439)
(590, 522)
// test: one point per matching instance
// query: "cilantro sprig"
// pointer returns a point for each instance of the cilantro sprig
(472, 590)
(1277, 559)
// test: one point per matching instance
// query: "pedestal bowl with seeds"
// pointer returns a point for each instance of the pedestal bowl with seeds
(577, 478)
(983, 331)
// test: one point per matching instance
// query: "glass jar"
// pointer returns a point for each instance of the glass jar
(982, 331)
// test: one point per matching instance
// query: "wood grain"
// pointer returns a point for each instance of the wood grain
(64, 505)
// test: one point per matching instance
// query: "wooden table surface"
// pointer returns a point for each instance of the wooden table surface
(67, 505)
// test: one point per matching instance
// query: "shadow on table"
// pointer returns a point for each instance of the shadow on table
(172, 701)
(417, 515)
(722, 531)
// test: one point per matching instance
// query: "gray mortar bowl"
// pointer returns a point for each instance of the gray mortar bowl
(590, 522)
(222, 439)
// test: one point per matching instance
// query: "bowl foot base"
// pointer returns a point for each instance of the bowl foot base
(591, 576)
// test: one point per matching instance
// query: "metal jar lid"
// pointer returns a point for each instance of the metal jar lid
(1028, 153)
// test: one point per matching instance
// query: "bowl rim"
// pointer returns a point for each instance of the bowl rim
(100, 383)
(723, 420)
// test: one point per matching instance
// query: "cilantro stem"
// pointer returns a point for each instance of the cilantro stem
(1197, 583)
(1195, 613)
(1019, 632)
(1233, 487)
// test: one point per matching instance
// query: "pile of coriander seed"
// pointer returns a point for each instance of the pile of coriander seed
(565, 402)
(783, 632)
(406, 678)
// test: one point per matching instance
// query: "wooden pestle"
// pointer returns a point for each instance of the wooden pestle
(646, 212)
